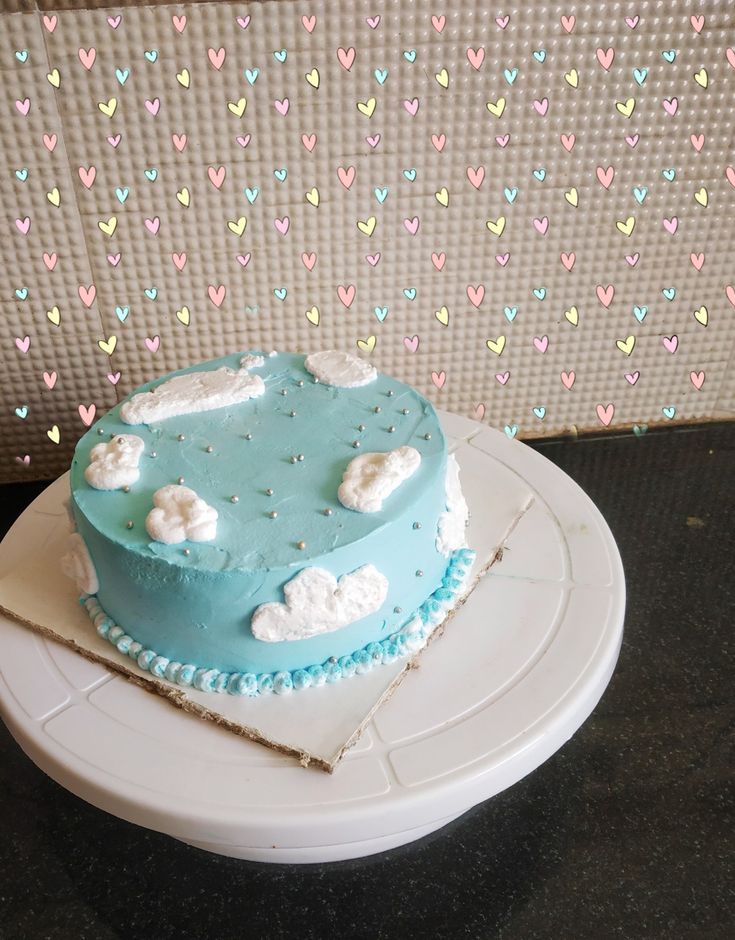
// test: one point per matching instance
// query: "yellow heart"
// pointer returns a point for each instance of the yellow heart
(442, 315)
(54, 197)
(702, 315)
(497, 227)
(54, 78)
(626, 108)
(626, 345)
(183, 196)
(108, 107)
(108, 227)
(53, 434)
(367, 227)
(496, 107)
(572, 197)
(572, 78)
(237, 227)
(701, 78)
(183, 316)
(496, 345)
(367, 345)
(312, 78)
(626, 227)
(108, 345)
(572, 314)
(312, 315)
(442, 197)
(366, 107)
(237, 107)
(442, 76)
(313, 196)
(702, 197)
(183, 78)
(54, 315)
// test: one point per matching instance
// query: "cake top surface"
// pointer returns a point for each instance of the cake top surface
(270, 465)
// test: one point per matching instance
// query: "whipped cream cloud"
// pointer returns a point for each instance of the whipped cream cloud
(451, 529)
(115, 464)
(316, 602)
(78, 565)
(340, 369)
(179, 514)
(371, 478)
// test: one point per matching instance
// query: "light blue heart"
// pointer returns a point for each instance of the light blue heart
(669, 292)
(410, 292)
(410, 174)
(151, 54)
(540, 55)
(381, 313)
(669, 54)
(280, 55)
(640, 75)
(251, 194)
(409, 55)
(510, 194)
(669, 174)
(380, 76)
(151, 173)
(252, 75)
(668, 411)
(122, 313)
(21, 54)
(122, 75)
(22, 412)
(281, 174)
(540, 412)
(511, 430)
(640, 313)
(510, 75)
(381, 194)
(21, 293)
(540, 174)
(151, 293)
(510, 313)
(640, 193)
(640, 429)
(22, 174)
(539, 293)
(280, 293)
(122, 193)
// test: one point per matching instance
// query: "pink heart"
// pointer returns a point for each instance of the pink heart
(49, 141)
(476, 295)
(23, 344)
(542, 106)
(632, 139)
(346, 57)
(114, 141)
(671, 225)
(153, 107)
(282, 225)
(23, 225)
(113, 377)
(697, 260)
(346, 175)
(308, 22)
(476, 57)
(216, 176)
(87, 176)
(243, 140)
(24, 460)
(50, 260)
(308, 260)
(502, 377)
(502, 140)
(697, 379)
(114, 21)
(479, 411)
(346, 294)
(217, 294)
(503, 259)
(372, 260)
(216, 57)
(730, 55)
(632, 21)
(631, 377)
(153, 225)
(438, 260)
(87, 294)
(605, 413)
(87, 57)
(502, 21)
(114, 260)
(50, 22)
(730, 294)
(23, 106)
(439, 378)
(411, 106)
(152, 343)
(87, 413)
(373, 21)
(541, 225)
(438, 141)
(605, 57)
(179, 260)
(568, 22)
(243, 21)
(697, 141)
(49, 379)
(568, 259)
(411, 343)
(671, 343)
(697, 23)
(373, 141)
(179, 23)
(476, 176)
(730, 175)
(412, 225)
(568, 379)
(541, 343)
(606, 176)
(605, 294)
(282, 105)
(568, 141)
(633, 259)
(438, 22)
(179, 141)
(243, 259)
(670, 105)
(309, 141)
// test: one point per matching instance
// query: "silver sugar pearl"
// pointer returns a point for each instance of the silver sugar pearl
(427, 437)
(327, 512)
(294, 458)
(377, 409)
(187, 551)
(234, 499)
(248, 436)
(273, 514)
(419, 573)
(360, 427)
(153, 453)
(390, 393)
(355, 443)
(300, 457)
(209, 448)
(180, 480)
(397, 610)
(300, 383)
(100, 431)
(391, 429)
(301, 545)
(269, 492)
(180, 437)
(406, 411)
(284, 391)
(129, 524)
(293, 414)
(126, 489)
(417, 525)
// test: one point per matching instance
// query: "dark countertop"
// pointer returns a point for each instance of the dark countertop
(627, 831)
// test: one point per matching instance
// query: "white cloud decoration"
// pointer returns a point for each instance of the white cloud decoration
(77, 564)
(316, 602)
(179, 514)
(371, 478)
(451, 529)
(115, 464)
(340, 369)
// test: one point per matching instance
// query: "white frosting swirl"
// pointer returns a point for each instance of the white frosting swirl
(115, 464)
(180, 515)
(371, 478)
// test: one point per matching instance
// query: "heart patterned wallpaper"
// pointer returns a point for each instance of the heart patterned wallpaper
(527, 211)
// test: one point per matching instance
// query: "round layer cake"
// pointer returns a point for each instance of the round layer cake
(258, 516)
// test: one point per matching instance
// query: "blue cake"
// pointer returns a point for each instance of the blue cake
(267, 522)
